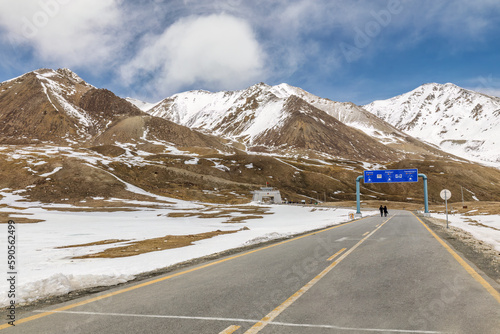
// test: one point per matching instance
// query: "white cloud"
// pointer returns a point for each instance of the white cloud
(64, 32)
(216, 51)
(489, 91)
(488, 85)
(169, 45)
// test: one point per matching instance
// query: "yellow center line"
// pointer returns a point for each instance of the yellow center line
(365, 233)
(336, 254)
(464, 264)
(91, 300)
(230, 330)
(278, 310)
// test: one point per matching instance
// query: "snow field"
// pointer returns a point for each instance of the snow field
(45, 270)
(489, 233)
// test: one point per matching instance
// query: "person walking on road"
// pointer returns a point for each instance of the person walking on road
(385, 211)
(381, 211)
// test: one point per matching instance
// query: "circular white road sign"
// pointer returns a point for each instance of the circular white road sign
(445, 194)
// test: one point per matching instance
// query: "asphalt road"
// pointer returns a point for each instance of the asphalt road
(375, 275)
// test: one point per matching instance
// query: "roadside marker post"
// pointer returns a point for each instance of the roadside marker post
(446, 195)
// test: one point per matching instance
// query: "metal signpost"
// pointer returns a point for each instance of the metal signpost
(390, 176)
(446, 195)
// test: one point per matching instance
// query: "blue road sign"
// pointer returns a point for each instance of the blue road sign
(390, 176)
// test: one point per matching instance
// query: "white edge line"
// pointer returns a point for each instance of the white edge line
(149, 316)
(242, 320)
(355, 329)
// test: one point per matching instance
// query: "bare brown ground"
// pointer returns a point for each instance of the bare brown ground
(488, 208)
(476, 223)
(155, 244)
(90, 205)
(97, 243)
(102, 209)
(6, 216)
(248, 212)
(242, 219)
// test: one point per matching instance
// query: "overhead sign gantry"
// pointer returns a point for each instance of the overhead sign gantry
(390, 176)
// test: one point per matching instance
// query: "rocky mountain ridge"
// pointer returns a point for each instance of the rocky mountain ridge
(261, 112)
(458, 120)
(59, 107)
(64, 140)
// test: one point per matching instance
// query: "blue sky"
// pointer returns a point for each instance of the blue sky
(347, 50)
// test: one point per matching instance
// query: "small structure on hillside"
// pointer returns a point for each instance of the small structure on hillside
(267, 193)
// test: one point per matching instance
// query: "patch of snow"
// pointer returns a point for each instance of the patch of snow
(489, 232)
(218, 165)
(144, 106)
(51, 173)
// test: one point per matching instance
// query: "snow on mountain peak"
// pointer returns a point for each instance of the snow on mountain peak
(70, 74)
(144, 106)
(245, 115)
(58, 91)
(460, 121)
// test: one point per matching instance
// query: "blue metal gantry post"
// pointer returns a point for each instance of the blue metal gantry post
(358, 195)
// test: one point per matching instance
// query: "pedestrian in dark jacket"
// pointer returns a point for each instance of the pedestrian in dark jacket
(381, 211)
(385, 211)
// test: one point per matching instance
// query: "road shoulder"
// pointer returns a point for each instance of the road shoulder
(481, 254)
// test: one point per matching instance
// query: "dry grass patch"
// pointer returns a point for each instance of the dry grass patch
(89, 209)
(6, 216)
(155, 244)
(12, 207)
(247, 212)
(476, 223)
(182, 214)
(97, 243)
(242, 219)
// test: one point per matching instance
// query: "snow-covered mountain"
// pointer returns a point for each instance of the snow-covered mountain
(63, 139)
(246, 114)
(459, 121)
(144, 106)
(249, 116)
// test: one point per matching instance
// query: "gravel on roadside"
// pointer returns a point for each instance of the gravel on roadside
(482, 254)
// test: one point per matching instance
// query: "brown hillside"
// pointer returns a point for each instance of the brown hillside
(140, 129)
(310, 129)
(28, 115)
(103, 106)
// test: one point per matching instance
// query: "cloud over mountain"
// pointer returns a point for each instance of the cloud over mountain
(216, 50)
(66, 33)
(153, 49)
